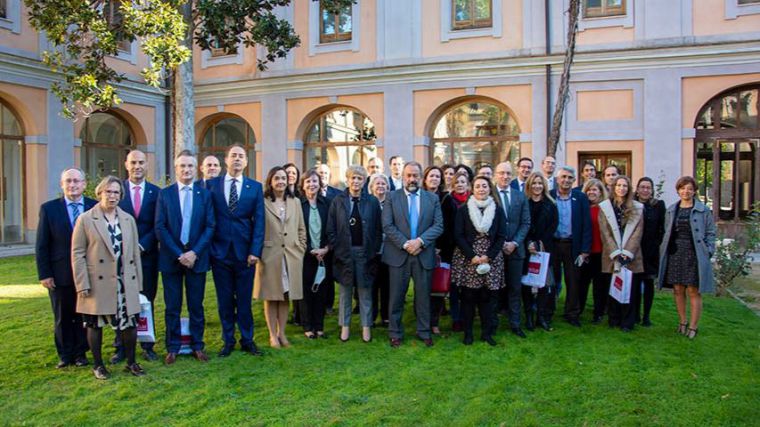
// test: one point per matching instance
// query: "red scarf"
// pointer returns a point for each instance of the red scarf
(461, 198)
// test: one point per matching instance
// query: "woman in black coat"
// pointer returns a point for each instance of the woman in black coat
(354, 233)
(460, 192)
(315, 210)
(480, 230)
(651, 238)
(544, 219)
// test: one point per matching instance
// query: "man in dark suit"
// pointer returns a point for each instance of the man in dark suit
(53, 254)
(236, 247)
(412, 220)
(548, 166)
(524, 169)
(572, 241)
(140, 201)
(515, 205)
(184, 227)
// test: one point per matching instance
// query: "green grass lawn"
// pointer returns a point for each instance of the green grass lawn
(591, 376)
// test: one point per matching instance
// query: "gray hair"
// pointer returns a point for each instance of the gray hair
(567, 168)
(105, 182)
(374, 177)
(356, 170)
(186, 153)
(413, 163)
(81, 173)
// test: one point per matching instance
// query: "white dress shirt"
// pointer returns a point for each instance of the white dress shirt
(228, 182)
(132, 192)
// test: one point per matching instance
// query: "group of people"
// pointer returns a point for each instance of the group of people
(290, 240)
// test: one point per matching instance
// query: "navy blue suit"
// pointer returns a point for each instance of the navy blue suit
(565, 253)
(168, 232)
(515, 184)
(148, 243)
(238, 234)
(53, 254)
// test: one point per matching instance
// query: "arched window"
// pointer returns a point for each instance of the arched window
(11, 174)
(339, 138)
(106, 140)
(226, 131)
(726, 153)
(475, 132)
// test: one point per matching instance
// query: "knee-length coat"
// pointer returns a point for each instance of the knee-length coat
(621, 242)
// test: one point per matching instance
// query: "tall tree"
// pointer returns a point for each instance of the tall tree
(84, 33)
(564, 86)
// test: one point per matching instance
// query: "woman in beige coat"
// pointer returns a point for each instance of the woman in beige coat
(105, 257)
(620, 227)
(279, 272)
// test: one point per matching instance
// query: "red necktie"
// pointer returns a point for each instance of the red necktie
(137, 202)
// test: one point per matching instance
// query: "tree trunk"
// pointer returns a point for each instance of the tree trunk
(564, 85)
(183, 106)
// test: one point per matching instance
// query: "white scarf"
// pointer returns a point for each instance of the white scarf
(481, 220)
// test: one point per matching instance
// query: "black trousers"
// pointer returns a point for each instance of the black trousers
(313, 305)
(480, 299)
(647, 297)
(437, 303)
(69, 332)
(381, 293)
(624, 315)
(591, 272)
(563, 262)
(542, 300)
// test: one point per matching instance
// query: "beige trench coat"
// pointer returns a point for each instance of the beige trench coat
(287, 240)
(94, 263)
(614, 243)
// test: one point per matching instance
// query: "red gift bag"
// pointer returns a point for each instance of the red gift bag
(441, 278)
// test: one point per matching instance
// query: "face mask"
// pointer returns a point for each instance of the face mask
(319, 277)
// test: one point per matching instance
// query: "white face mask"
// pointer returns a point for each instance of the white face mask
(320, 276)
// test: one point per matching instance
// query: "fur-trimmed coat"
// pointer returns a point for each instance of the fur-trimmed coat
(616, 242)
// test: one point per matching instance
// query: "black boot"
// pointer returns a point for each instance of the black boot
(530, 324)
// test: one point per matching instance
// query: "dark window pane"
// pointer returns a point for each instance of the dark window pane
(462, 10)
(593, 3)
(748, 107)
(728, 108)
(705, 119)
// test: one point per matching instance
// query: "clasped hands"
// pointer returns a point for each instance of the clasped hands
(188, 259)
(319, 253)
(479, 259)
(413, 247)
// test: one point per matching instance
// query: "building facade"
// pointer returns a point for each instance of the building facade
(661, 88)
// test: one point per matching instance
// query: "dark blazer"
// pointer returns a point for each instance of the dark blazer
(53, 245)
(239, 233)
(651, 238)
(544, 219)
(465, 233)
(339, 234)
(518, 220)
(147, 220)
(581, 225)
(169, 228)
(397, 229)
(515, 184)
(446, 243)
(331, 193)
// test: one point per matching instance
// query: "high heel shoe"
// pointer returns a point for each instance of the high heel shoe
(692, 333)
(274, 342)
(283, 341)
(681, 329)
(344, 334)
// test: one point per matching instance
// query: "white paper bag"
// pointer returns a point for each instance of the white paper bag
(185, 338)
(145, 329)
(620, 285)
(538, 269)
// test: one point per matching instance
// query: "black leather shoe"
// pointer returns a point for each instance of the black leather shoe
(117, 358)
(427, 341)
(574, 322)
(226, 350)
(545, 325)
(62, 364)
(467, 339)
(489, 339)
(135, 369)
(81, 361)
(646, 322)
(150, 355)
(519, 332)
(597, 320)
(530, 324)
(251, 349)
(101, 372)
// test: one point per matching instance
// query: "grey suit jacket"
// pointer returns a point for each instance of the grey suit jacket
(518, 220)
(397, 231)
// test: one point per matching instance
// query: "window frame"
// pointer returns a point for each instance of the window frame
(12, 19)
(718, 136)
(472, 23)
(451, 142)
(121, 149)
(602, 11)
(219, 151)
(338, 36)
(734, 9)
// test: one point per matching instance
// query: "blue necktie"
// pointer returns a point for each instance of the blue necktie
(187, 213)
(413, 214)
(75, 212)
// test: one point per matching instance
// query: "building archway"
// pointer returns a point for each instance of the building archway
(223, 130)
(11, 175)
(727, 154)
(473, 130)
(106, 139)
(339, 136)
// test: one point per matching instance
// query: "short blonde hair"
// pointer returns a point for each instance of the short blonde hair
(593, 182)
(374, 178)
(356, 170)
(105, 182)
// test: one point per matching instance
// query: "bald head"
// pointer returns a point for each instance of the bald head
(137, 166)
